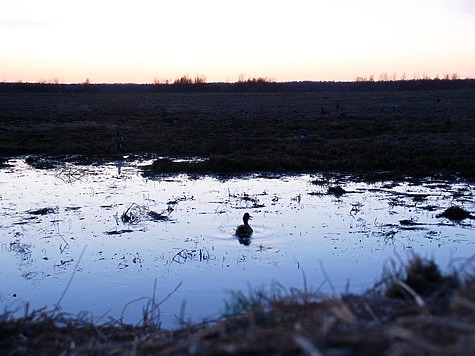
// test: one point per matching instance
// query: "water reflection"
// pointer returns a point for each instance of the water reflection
(180, 231)
(119, 165)
(246, 241)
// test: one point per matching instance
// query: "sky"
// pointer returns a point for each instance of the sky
(139, 41)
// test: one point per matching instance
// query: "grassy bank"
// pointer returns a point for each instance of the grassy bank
(414, 310)
(416, 133)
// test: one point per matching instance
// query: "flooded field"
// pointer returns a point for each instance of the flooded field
(106, 241)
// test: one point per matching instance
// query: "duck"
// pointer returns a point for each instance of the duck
(244, 231)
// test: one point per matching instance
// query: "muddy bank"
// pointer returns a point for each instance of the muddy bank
(418, 133)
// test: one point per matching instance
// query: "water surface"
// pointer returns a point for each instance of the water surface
(65, 239)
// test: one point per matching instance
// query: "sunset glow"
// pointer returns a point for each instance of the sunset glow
(140, 41)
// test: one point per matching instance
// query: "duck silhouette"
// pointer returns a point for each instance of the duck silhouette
(244, 230)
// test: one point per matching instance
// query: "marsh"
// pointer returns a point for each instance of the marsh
(61, 221)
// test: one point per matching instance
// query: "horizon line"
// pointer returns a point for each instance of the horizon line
(259, 80)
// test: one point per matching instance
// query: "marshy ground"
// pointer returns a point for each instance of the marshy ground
(417, 133)
(372, 134)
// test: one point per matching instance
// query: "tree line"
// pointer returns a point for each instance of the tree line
(250, 85)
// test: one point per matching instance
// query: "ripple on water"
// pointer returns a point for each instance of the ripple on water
(298, 227)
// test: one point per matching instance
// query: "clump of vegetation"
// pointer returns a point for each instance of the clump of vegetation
(129, 216)
(336, 190)
(234, 163)
(118, 232)
(136, 213)
(455, 213)
(153, 215)
(43, 211)
(41, 332)
(255, 301)
(420, 278)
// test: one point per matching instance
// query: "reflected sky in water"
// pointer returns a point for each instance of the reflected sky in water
(180, 232)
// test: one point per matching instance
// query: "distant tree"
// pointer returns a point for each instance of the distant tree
(454, 76)
(200, 79)
(261, 80)
(160, 81)
(185, 79)
(54, 80)
(383, 77)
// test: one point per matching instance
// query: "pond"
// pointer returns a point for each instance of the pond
(104, 240)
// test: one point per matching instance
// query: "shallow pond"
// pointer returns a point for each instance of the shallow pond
(104, 239)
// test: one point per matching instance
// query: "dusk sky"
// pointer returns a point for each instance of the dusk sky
(140, 40)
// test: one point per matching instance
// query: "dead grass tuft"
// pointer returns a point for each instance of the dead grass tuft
(420, 279)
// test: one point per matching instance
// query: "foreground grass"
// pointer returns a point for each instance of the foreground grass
(418, 133)
(416, 310)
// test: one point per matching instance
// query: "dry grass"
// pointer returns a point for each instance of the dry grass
(402, 132)
(436, 321)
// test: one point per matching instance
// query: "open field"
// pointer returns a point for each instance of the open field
(416, 133)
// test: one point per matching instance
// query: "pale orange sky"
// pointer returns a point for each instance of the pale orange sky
(140, 40)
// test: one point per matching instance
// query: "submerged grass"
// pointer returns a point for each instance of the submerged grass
(415, 310)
